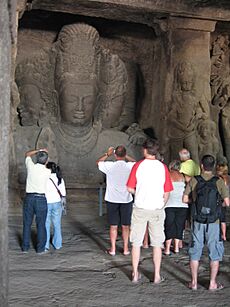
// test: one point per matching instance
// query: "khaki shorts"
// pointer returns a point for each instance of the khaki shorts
(155, 220)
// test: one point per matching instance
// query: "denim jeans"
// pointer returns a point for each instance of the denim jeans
(54, 215)
(34, 205)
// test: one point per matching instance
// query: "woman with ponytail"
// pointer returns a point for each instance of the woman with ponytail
(55, 189)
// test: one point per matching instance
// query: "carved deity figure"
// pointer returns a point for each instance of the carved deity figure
(74, 101)
(207, 141)
(220, 91)
(186, 109)
(78, 132)
(33, 78)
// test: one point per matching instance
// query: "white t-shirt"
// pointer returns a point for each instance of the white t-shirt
(175, 197)
(151, 180)
(117, 174)
(52, 195)
(37, 176)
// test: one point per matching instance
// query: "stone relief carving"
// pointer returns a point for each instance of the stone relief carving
(71, 96)
(207, 140)
(186, 109)
(220, 92)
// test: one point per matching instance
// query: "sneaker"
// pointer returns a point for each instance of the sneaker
(25, 251)
(43, 252)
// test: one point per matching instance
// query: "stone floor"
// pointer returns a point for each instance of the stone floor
(81, 274)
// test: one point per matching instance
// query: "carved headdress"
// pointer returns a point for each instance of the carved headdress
(77, 54)
(38, 71)
(184, 71)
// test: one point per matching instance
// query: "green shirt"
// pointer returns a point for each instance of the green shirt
(190, 168)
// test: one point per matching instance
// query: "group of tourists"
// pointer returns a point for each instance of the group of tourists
(149, 200)
(164, 201)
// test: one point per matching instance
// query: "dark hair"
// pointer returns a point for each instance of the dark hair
(152, 146)
(42, 157)
(208, 162)
(55, 169)
(120, 151)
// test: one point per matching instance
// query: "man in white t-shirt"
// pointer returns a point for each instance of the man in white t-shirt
(119, 201)
(35, 200)
(150, 181)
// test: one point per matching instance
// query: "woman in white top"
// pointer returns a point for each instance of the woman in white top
(176, 211)
(54, 212)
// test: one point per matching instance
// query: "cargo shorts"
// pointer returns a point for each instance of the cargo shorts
(155, 220)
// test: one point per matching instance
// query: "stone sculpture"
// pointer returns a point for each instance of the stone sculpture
(186, 109)
(207, 141)
(220, 92)
(86, 95)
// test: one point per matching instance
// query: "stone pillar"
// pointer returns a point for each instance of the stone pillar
(183, 40)
(5, 51)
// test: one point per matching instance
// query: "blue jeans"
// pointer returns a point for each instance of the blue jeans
(54, 216)
(34, 204)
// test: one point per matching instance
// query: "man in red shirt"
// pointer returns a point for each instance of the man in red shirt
(149, 180)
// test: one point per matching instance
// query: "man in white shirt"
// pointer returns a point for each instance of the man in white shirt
(35, 200)
(150, 181)
(119, 200)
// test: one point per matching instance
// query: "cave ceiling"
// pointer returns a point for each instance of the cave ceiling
(140, 11)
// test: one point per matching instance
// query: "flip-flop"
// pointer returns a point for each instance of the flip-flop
(219, 286)
(108, 252)
(165, 254)
(162, 279)
(138, 279)
(127, 253)
(191, 287)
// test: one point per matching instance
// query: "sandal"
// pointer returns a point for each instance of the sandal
(194, 288)
(108, 252)
(136, 280)
(219, 286)
(162, 279)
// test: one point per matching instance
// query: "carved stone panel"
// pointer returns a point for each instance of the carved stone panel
(70, 95)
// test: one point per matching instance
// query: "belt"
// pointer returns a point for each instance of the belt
(37, 194)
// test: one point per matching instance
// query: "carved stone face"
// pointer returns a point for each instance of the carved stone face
(77, 103)
(205, 131)
(30, 105)
(186, 84)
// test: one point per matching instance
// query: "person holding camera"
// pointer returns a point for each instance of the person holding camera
(35, 202)
(119, 201)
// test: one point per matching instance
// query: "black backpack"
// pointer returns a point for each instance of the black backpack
(206, 208)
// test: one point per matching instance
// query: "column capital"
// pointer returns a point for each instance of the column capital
(173, 23)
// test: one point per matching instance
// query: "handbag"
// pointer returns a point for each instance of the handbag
(63, 199)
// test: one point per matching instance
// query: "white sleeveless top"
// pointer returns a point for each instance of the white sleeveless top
(175, 197)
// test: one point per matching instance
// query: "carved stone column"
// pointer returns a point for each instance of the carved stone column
(4, 145)
(185, 58)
